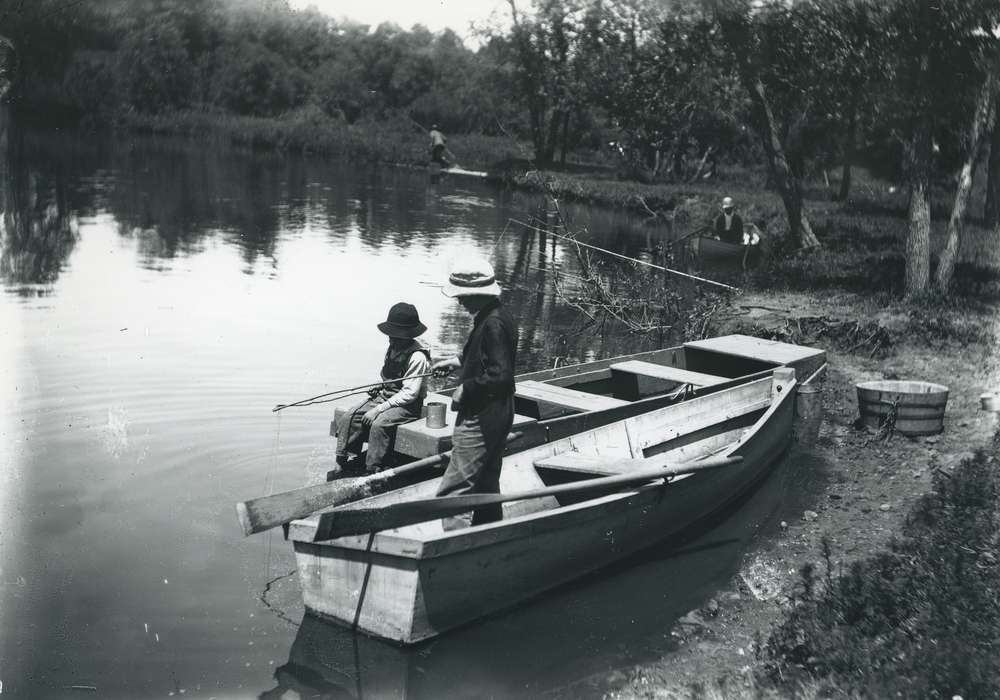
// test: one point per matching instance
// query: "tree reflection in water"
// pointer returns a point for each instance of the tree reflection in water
(37, 229)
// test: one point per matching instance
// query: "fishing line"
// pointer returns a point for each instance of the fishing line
(269, 486)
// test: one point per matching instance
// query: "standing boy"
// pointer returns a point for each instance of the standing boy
(485, 397)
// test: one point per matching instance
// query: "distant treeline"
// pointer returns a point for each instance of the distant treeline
(104, 57)
(907, 87)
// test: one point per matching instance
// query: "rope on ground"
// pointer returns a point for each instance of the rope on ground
(626, 257)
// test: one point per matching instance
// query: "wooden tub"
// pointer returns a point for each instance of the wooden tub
(918, 406)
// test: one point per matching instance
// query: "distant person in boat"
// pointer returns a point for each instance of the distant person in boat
(375, 419)
(439, 147)
(485, 397)
(729, 225)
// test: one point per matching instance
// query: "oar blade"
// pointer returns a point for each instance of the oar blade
(259, 514)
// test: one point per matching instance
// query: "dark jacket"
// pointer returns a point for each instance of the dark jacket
(735, 232)
(488, 359)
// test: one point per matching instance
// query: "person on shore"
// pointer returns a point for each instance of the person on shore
(728, 224)
(485, 398)
(438, 147)
(376, 418)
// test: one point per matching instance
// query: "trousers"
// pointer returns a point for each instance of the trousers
(381, 436)
(476, 458)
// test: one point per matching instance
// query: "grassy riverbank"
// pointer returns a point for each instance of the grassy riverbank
(395, 141)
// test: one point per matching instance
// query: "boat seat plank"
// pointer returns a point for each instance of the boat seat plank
(578, 463)
(416, 439)
(552, 400)
(673, 374)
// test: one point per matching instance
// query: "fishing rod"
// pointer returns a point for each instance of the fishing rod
(350, 391)
(688, 235)
(625, 257)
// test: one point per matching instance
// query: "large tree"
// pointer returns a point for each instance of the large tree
(742, 26)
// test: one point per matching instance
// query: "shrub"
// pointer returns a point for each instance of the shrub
(921, 619)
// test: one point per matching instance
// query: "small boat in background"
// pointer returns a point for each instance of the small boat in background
(414, 581)
(711, 252)
(436, 170)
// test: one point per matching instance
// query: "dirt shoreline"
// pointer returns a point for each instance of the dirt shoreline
(861, 490)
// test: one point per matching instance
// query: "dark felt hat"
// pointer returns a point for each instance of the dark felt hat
(403, 322)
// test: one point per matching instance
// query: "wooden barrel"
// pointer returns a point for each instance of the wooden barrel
(919, 406)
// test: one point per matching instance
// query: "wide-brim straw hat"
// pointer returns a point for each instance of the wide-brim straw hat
(470, 277)
(403, 322)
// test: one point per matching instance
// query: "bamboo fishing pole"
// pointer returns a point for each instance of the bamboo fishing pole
(625, 257)
(351, 391)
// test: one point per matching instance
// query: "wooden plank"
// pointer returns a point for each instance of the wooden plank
(415, 439)
(670, 356)
(673, 374)
(756, 349)
(578, 463)
(661, 426)
(548, 400)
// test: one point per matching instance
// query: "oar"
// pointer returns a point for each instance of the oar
(259, 514)
(355, 521)
(687, 235)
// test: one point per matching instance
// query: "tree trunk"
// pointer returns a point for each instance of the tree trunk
(547, 154)
(565, 138)
(918, 238)
(946, 263)
(992, 212)
(849, 146)
(738, 35)
(788, 183)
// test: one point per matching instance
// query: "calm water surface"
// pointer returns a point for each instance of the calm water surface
(158, 298)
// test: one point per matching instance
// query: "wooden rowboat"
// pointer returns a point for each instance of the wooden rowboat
(413, 582)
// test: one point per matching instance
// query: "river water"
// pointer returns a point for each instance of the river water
(159, 297)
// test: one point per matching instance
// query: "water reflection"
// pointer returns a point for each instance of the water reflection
(37, 228)
(189, 288)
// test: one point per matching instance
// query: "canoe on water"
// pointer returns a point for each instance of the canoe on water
(438, 169)
(711, 252)
(597, 496)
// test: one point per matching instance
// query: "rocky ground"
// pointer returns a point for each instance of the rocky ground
(861, 487)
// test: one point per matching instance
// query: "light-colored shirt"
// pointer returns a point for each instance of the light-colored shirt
(437, 138)
(413, 390)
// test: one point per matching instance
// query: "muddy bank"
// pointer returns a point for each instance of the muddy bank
(861, 485)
